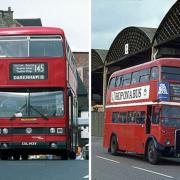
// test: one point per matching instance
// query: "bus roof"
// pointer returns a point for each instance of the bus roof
(161, 61)
(30, 31)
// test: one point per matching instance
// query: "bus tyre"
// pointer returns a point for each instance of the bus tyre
(113, 145)
(72, 155)
(16, 157)
(64, 155)
(152, 154)
(4, 156)
(24, 157)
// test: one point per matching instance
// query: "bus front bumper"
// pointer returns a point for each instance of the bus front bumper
(168, 151)
(33, 145)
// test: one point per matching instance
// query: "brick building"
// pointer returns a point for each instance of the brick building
(82, 62)
(7, 20)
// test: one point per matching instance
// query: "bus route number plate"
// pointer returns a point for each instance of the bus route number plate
(28, 71)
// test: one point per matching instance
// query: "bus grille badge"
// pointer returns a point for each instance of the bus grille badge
(28, 130)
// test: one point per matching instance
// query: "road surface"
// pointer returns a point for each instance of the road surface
(44, 169)
(128, 166)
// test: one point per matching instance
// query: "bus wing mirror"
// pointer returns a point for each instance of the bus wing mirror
(69, 93)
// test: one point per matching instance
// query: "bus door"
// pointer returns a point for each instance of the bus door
(73, 121)
(155, 121)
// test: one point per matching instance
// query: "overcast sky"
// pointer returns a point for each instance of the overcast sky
(71, 15)
(109, 17)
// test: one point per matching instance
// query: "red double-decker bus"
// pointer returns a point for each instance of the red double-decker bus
(142, 112)
(38, 93)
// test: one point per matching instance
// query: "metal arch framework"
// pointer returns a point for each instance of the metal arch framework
(97, 59)
(169, 28)
(138, 40)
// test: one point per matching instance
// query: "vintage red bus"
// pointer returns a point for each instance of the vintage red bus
(38, 93)
(142, 112)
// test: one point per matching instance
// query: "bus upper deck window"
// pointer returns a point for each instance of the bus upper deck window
(154, 73)
(118, 81)
(112, 83)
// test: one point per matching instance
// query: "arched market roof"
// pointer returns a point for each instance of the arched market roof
(137, 38)
(98, 58)
(169, 28)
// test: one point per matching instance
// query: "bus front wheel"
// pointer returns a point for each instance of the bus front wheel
(113, 145)
(152, 153)
(16, 156)
(24, 157)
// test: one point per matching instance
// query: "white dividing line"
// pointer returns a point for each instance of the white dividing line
(153, 172)
(86, 177)
(107, 159)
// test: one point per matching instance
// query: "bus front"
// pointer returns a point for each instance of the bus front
(167, 112)
(33, 113)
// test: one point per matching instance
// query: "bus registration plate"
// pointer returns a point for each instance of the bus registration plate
(29, 143)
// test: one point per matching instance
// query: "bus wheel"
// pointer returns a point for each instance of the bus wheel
(4, 157)
(64, 155)
(113, 145)
(16, 157)
(72, 155)
(152, 154)
(24, 157)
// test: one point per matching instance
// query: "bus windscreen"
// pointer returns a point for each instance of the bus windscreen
(171, 116)
(48, 103)
(171, 73)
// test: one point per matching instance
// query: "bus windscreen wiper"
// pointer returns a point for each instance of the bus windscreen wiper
(44, 116)
(18, 113)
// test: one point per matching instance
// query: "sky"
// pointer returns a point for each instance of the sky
(70, 15)
(109, 17)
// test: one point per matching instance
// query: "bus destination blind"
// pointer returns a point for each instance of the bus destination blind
(28, 71)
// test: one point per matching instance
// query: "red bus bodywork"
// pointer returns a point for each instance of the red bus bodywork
(31, 135)
(125, 104)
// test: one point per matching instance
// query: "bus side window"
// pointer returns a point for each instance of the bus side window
(144, 75)
(118, 81)
(140, 117)
(154, 73)
(126, 79)
(115, 117)
(122, 118)
(112, 83)
(131, 117)
(155, 118)
(135, 77)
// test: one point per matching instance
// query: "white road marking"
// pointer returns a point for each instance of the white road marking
(153, 172)
(107, 159)
(86, 177)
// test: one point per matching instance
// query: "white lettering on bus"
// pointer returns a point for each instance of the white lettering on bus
(26, 77)
(130, 94)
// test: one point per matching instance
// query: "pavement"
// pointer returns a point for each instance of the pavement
(129, 166)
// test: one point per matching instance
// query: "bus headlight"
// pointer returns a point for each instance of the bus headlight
(60, 131)
(4, 145)
(5, 130)
(53, 145)
(52, 130)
